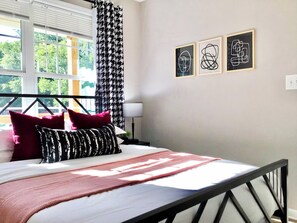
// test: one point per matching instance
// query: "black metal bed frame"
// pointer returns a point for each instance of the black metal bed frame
(38, 98)
(169, 211)
(274, 175)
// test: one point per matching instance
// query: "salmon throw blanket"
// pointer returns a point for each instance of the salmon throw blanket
(20, 199)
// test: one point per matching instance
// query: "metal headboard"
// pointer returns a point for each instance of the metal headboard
(38, 97)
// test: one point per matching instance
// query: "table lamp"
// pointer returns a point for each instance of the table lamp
(133, 110)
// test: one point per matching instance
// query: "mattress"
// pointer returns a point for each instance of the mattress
(127, 202)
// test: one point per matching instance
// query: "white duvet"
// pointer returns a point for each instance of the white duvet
(127, 202)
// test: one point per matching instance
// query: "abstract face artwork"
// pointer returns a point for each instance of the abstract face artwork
(185, 60)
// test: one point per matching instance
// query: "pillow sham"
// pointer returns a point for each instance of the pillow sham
(25, 137)
(85, 121)
(6, 145)
(119, 131)
(58, 145)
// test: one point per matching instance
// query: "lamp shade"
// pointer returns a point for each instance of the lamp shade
(133, 109)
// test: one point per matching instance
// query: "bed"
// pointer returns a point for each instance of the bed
(215, 191)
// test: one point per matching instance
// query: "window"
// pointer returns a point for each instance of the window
(63, 54)
(10, 60)
(51, 52)
(59, 59)
(10, 45)
(64, 64)
(86, 58)
(10, 84)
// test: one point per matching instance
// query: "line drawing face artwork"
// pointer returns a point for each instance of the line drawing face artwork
(240, 52)
(210, 56)
(185, 60)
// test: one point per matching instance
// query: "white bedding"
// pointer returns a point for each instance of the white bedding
(124, 203)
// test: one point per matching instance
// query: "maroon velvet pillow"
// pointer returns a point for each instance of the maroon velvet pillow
(84, 121)
(25, 136)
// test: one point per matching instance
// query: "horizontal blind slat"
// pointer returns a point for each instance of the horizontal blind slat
(55, 17)
(15, 7)
(62, 20)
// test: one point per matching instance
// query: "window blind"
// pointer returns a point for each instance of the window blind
(62, 20)
(52, 14)
(15, 9)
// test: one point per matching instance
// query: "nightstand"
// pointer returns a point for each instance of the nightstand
(143, 143)
(136, 142)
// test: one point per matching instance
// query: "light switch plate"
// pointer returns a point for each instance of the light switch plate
(291, 82)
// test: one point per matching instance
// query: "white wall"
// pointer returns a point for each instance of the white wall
(246, 116)
(132, 43)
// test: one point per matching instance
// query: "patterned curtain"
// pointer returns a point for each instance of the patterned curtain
(110, 60)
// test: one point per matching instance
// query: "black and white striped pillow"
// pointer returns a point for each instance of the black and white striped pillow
(58, 145)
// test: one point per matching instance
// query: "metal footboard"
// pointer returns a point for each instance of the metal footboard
(276, 182)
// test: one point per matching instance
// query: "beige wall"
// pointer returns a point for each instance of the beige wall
(246, 116)
(132, 49)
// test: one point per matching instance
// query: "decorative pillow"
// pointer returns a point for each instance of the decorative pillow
(58, 145)
(119, 131)
(25, 137)
(85, 121)
(68, 124)
(6, 145)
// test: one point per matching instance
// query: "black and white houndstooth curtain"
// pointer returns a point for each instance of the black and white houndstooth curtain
(110, 60)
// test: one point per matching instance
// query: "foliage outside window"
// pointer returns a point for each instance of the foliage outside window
(10, 45)
(63, 64)
(10, 84)
(68, 63)
(10, 59)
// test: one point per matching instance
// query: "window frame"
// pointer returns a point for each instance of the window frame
(28, 71)
(21, 71)
(25, 13)
(73, 76)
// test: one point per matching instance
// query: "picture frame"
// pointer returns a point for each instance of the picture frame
(240, 52)
(210, 56)
(185, 59)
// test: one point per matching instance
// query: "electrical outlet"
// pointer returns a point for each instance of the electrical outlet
(291, 82)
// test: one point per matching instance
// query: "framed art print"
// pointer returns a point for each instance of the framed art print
(185, 60)
(210, 56)
(240, 51)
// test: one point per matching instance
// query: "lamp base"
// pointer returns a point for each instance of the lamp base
(133, 141)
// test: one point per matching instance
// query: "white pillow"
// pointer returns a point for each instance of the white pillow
(67, 124)
(6, 145)
(120, 141)
(119, 131)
